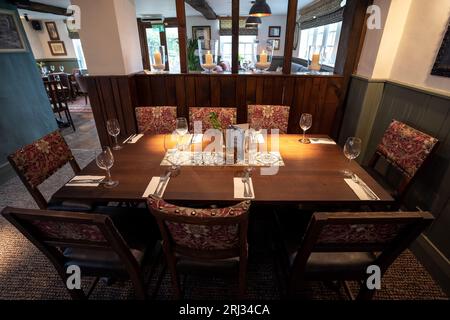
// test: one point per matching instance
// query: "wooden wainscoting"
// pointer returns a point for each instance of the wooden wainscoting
(117, 96)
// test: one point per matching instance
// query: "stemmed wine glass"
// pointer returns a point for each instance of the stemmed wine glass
(181, 129)
(52, 68)
(61, 68)
(113, 128)
(352, 149)
(171, 148)
(305, 124)
(105, 161)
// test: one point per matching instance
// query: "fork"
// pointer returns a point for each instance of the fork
(244, 181)
(161, 184)
(366, 189)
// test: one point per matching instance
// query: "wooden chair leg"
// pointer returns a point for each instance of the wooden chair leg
(242, 278)
(85, 99)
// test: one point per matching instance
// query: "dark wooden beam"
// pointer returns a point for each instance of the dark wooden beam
(203, 7)
(235, 36)
(289, 38)
(350, 43)
(39, 7)
(182, 43)
(143, 42)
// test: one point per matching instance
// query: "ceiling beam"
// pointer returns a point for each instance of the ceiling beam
(39, 7)
(203, 7)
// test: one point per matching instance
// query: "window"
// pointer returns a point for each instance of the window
(245, 47)
(326, 36)
(79, 53)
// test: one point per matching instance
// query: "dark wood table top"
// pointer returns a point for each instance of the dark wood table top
(312, 174)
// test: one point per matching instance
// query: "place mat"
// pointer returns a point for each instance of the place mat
(239, 188)
(211, 159)
(358, 189)
(73, 182)
(321, 141)
(153, 184)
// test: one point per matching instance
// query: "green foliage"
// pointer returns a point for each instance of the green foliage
(214, 120)
(193, 60)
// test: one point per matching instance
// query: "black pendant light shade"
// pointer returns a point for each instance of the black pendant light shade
(253, 20)
(260, 9)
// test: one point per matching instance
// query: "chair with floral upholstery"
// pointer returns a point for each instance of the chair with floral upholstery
(89, 241)
(340, 246)
(202, 238)
(406, 149)
(269, 117)
(39, 160)
(226, 116)
(156, 120)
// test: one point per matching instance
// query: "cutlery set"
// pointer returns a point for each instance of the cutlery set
(364, 187)
(130, 138)
(247, 188)
(162, 184)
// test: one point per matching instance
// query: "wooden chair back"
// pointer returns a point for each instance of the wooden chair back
(39, 160)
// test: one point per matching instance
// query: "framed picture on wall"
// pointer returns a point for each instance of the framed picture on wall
(275, 43)
(442, 64)
(52, 30)
(274, 32)
(57, 48)
(11, 37)
(201, 32)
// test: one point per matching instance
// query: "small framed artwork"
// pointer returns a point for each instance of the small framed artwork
(57, 48)
(274, 32)
(275, 43)
(52, 30)
(201, 32)
(442, 64)
(11, 37)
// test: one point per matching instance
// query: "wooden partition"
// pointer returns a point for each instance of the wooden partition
(117, 96)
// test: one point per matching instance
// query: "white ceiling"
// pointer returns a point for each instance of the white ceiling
(167, 7)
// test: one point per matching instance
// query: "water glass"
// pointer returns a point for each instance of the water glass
(352, 149)
(305, 124)
(113, 127)
(105, 161)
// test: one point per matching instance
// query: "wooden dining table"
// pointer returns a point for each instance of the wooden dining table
(312, 174)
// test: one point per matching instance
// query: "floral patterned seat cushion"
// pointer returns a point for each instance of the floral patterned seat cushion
(269, 117)
(227, 116)
(201, 237)
(406, 147)
(156, 120)
(39, 160)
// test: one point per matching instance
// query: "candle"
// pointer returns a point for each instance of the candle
(208, 58)
(157, 57)
(315, 59)
(263, 57)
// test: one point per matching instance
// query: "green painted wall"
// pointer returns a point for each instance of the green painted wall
(25, 112)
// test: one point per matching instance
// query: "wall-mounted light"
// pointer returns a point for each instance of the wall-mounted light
(260, 9)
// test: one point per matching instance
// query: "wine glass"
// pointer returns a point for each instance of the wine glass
(352, 149)
(52, 68)
(305, 124)
(171, 151)
(61, 68)
(181, 129)
(113, 128)
(105, 161)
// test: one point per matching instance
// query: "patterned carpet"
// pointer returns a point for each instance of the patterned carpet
(26, 274)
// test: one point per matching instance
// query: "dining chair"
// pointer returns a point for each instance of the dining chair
(226, 116)
(59, 96)
(82, 86)
(269, 116)
(36, 162)
(156, 120)
(407, 150)
(340, 246)
(202, 238)
(90, 241)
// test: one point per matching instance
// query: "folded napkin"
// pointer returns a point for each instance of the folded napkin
(321, 141)
(359, 190)
(239, 188)
(151, 188)
(135, 138)
(197, 138)
(73, 182)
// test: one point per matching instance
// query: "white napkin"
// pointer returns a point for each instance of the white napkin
(136, 138)
(151, 188)
(87, 184)
(321, 141)
(358, 190)
(197, 138)
(239, 188)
